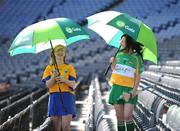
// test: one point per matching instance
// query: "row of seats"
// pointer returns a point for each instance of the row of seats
(73, 57)
(89, 126)
(172, 63)
(151, 110)
(96, 113)
(101, 124)
(140, 8)
(170, 121)
(17, 14)
(164, 80)
(17, 106)
(14, 97)
(143, 118)
(173, 117)
(167, 92)
(22, 119)
(165, 69)
(73, 9)
(21, 63)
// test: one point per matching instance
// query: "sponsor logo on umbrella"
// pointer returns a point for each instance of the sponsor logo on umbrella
(71, 30)
(76, 29)
(120, 23)
(129, 28)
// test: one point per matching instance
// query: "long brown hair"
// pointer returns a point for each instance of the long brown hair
(52, 62)
(132, 44)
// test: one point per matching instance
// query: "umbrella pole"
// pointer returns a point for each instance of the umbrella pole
(107, 69)
(56, 68)
(54, 57)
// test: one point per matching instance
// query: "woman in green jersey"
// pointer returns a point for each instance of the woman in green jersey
(127, 67)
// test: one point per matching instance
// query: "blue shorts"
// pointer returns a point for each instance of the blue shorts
(55, 107)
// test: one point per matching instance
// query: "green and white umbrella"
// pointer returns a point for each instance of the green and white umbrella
(45, 35)
(39, 36)
(111, 25)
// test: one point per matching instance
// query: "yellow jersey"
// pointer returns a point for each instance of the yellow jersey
(66, 71)
(127, 65)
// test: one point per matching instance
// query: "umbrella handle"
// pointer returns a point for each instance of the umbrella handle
(107, 69)
(56, 67)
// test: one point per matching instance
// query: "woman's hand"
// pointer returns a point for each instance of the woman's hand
(126, 96)
(112, 59)
(133, 93)
(52, 80)
(54, 74)
(60, 79)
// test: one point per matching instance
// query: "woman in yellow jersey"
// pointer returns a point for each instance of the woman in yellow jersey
(125, 78)
(61, 110)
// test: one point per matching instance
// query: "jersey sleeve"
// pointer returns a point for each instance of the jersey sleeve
(72, 73)
(47, 74)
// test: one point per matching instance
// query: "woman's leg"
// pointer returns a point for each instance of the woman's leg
(128, 113)
(119, 108)
(56, 122)
(66, 122)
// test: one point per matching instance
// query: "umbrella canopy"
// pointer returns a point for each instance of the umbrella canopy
(37, 37)
(47, 34)
(111, 25)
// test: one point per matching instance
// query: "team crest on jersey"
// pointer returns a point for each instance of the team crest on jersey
(66, 71)
(125, 60)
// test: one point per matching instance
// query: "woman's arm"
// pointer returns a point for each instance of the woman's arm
(136, 84)
(113, 62)
(50, 82)
(70, 83)
(61, 79)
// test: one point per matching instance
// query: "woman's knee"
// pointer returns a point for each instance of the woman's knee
(66, 125)
(119, 112)
(53, 118)
(66, 122)
(56, 122)
(128, 117)
(120, 118)
(128, 113)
